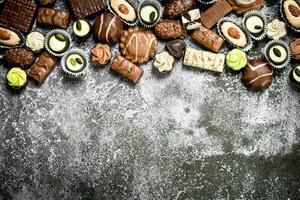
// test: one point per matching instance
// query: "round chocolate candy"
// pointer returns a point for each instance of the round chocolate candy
(108, 28)
(257, 75)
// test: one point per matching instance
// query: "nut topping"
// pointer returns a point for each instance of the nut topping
(4, 35)
(123, 9)
(294, 10)
(232, 32)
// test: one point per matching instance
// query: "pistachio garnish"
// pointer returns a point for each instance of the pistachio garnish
(60, 37)
(79, 61)
(277, 52)
(78, 25)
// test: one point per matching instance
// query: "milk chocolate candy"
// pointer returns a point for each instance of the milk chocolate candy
(243, 6)
(53, 17)
(211, 16)
(169, 29)
(176, 8)
(20, 57)
(43, 67)
(47, 2)
(208, 38)
(126, 69)
(176, 48)
(18, 14)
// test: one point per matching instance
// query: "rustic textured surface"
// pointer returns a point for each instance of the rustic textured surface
(184, 135)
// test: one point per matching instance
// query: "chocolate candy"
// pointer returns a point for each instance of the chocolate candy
(19, 57)
(84, 8)
(295, 48)
(43, 67)
(126, 69)
(176, 47)
(18, 14)
(208, 38)
(211, 16)
(242, 6)
(47, 2)
(176, 8)
(257, 75)
(169, 30)
(53, 17)
(204, 60)
(108, 28)
(138, 44)
(191, 19)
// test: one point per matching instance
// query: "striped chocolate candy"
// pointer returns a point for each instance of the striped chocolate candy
(257, 75)
(108, 28)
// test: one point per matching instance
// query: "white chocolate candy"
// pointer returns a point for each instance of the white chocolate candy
(163, 62)
(204, 60)
(35, 41)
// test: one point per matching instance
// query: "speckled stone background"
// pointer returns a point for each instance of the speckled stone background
(184, 135)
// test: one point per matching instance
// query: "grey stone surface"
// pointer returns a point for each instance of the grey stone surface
(185, 135)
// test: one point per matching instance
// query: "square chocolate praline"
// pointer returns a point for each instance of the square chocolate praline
(84, 8)
(19, 14)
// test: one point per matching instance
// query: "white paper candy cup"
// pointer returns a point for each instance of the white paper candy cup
(262, 16)
(51, 33)
(285, 19)
(67, 71)
(249, 45)
(154, 3)
(280, 42)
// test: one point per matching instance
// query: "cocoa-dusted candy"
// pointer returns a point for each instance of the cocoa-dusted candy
(126, 69)
(20, 57)
(176, 8)
(169, 29)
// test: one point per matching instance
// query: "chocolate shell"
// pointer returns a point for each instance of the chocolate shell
(176, 48)
(176, 8)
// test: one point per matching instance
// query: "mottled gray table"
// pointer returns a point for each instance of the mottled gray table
(184, 135)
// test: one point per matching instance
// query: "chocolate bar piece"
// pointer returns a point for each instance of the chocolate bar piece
(84, 8)
(242, 6)
(208, 38)
(191, 19)
(43, 67)
(175, 8)
(18, 14)
(53, 17)
(204, 60)
(126, 69)
(211, 16)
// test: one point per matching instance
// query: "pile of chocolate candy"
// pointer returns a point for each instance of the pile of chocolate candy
(136, 26)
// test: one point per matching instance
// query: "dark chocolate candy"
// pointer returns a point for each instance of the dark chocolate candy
(18, 14)
(54, 17)
(257, 75)
(84, 8)
(170, 30)
(176, 8)
(43, 67)
(19, 57)
(108, 28)
(176, 48)
(47, 2)
(126, 69)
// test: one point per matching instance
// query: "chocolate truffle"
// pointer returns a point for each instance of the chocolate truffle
(244, 6)
(163, 62)
(277, 53)
(138, 44)
(291, 10)
(74, 63)
(108, 28)
(176, 8)
(257, 75)
(20, 57)
(9, 37)
(58, 42)
(169, 30)
(295, 48)
(233, 34)
(176, 48)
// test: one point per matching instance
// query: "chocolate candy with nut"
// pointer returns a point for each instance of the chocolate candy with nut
(170, 30)
(176, 8)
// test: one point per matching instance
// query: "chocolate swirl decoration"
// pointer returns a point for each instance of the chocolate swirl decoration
(54, 17)
(101, 54)
(295, 48)
(208, 38)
